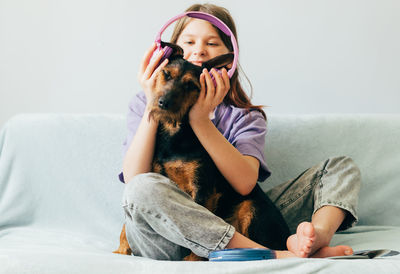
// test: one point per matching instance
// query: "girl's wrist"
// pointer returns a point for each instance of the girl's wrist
(147, 108)
(199, 115)
(146, 115)
(200, 122)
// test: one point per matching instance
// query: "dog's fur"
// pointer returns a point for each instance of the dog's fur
(180, 156)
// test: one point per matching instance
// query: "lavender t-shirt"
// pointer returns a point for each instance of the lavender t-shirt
(244, 130)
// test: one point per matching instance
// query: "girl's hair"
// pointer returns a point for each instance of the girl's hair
(236, 95)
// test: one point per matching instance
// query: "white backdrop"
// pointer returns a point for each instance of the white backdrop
(302, 56)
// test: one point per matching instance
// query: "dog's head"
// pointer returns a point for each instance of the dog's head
(178, 85)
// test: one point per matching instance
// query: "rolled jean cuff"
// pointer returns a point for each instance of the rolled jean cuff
(204, 251)
(351, 218)
(226, 238)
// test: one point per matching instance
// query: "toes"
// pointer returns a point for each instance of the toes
(306, 229)
(307, 249)
(302, 242)
(348, 251)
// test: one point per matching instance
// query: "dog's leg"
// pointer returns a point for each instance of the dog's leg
(183, 174)
(242, 217)
(124, 247)
(212, 202)
(194, 257)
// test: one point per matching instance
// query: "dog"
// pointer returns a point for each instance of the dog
(180, 156)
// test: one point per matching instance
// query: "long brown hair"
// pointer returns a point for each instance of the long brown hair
(236, 96)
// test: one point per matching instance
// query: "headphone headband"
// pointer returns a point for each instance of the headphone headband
(213, 20)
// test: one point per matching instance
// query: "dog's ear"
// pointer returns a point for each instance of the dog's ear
(177, 51)
(219, 61)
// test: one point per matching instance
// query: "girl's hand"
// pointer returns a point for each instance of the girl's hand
(148, 71)
(210, 95)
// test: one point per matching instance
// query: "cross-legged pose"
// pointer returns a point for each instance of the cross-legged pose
(164, 222)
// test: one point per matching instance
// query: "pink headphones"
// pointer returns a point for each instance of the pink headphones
(205, 16)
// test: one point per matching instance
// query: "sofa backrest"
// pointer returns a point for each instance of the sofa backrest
(61, 170)
(297, 142)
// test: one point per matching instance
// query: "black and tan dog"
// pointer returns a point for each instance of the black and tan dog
(180, 156)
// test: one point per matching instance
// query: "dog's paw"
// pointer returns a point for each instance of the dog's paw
(194, 257)
(124, 247)
(123, 251)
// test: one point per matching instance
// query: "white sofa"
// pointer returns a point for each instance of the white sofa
(60, 198)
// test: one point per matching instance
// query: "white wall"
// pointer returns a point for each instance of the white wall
(302, 56)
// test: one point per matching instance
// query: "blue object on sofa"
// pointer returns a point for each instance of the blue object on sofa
(60, 198)
(241, 254)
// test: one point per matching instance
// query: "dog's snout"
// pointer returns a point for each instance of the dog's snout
(162, 103)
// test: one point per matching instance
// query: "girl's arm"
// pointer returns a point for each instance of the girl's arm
(139, 155)
(241, 171)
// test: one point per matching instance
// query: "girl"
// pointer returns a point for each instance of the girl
(162, 222)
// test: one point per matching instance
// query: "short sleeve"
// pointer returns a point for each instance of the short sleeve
(136, 109)
(248, 136)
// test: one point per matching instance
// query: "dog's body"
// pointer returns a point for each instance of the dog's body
(183, 159)
(180, 156)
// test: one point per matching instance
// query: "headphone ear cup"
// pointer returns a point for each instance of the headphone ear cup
(167, 53)
(213, 78)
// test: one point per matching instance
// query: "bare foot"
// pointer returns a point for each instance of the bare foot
(328, 251)
(282, 254)
(310, 242)
(302, 242)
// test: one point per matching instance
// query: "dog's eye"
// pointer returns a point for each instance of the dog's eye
(167, 75)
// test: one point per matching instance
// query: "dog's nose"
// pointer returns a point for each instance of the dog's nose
(162, 103)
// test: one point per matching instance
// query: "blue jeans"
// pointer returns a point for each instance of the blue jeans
(164, 223)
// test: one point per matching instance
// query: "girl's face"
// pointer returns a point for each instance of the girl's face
(200, 42)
